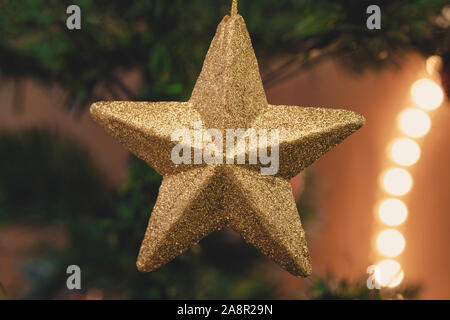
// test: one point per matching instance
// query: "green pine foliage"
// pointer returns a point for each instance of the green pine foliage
(329, 287)
(167, 40)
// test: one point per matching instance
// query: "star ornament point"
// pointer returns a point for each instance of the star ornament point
(195, 200)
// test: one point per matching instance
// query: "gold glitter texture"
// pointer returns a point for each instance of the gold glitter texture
(229, 91)
(196, 200)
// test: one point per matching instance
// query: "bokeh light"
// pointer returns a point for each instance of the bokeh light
(392, 212)
(427, 94)
(405, 152)
(390, 243)
(389, 273)
(397, 182)
(433, 64)
(414, 123)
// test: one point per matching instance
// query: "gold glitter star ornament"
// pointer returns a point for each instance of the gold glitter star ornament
(197, 199)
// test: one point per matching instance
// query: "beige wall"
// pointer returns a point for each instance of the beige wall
(349, 175)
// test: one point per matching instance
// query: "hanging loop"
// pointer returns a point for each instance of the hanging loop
(234, 9)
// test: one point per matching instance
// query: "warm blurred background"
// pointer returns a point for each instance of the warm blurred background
(70, 194)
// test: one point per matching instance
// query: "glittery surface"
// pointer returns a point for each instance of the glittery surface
(196, 200)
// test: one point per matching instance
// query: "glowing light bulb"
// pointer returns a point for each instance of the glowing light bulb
(390, 243)
(427, 94)
(405, 152)
(389, 273)
(393, 212)
(397, 182)
(414, 123)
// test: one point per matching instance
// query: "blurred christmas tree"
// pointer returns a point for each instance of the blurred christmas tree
(61, 187)
(165, 41)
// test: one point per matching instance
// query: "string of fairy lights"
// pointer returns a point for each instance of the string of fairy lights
(404, 152)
